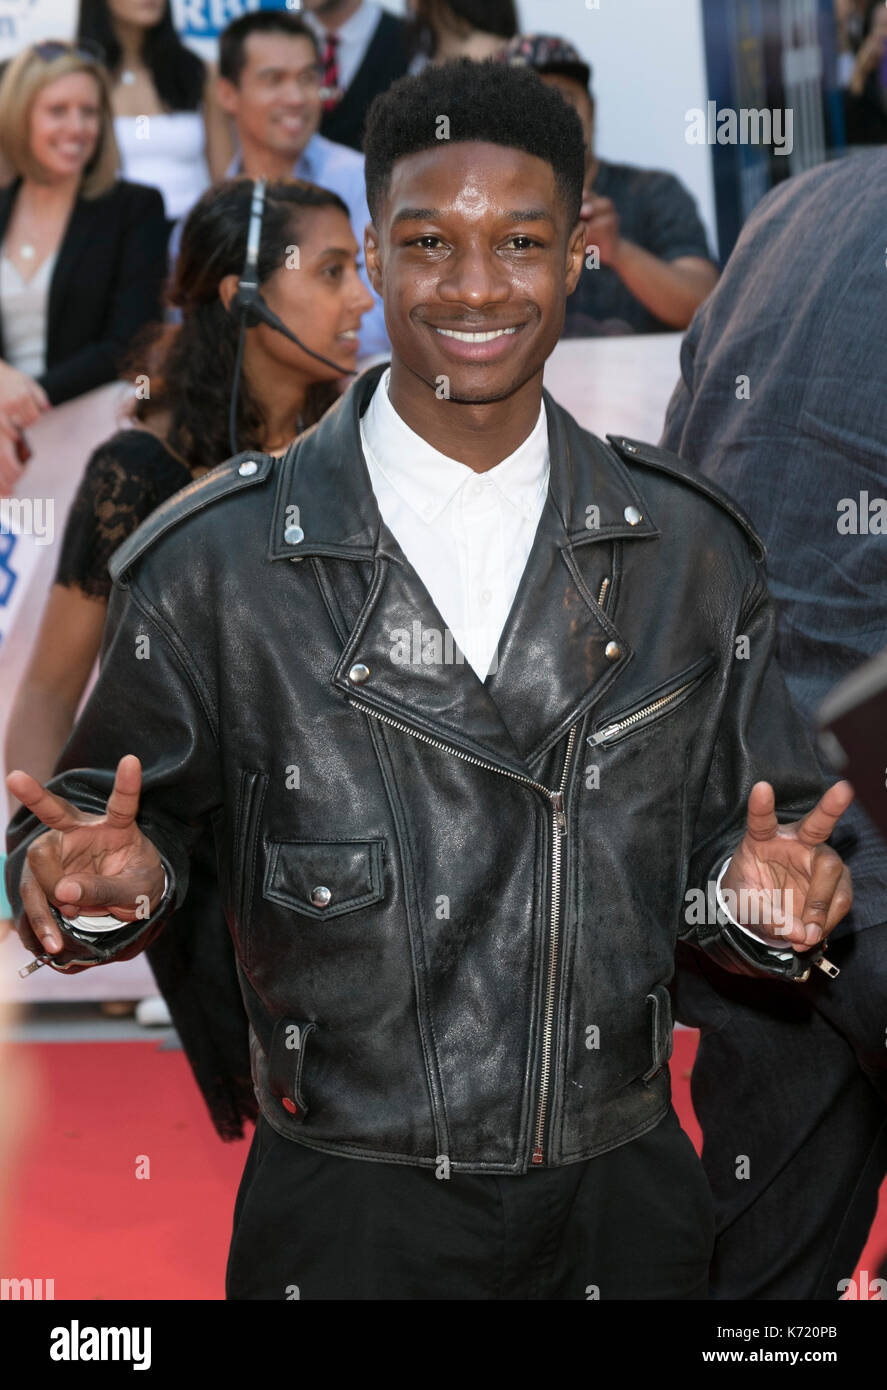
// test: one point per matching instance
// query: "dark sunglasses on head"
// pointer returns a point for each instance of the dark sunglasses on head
(56, 48)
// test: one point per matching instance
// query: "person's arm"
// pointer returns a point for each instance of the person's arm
(134, 300)
(150, 701)
(671, 274)
(761, 738)
(870, 54)
(219, 140)
(49, 694)
(672, 290)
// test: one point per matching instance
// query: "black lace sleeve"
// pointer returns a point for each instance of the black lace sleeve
(125, 479)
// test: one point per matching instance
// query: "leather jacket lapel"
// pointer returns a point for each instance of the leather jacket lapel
(417, 674)
(559, 651)
(556, 654)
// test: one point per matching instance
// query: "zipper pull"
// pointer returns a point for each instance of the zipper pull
(537, 1156)
(603, 734)
(827, 967)
(560, 815)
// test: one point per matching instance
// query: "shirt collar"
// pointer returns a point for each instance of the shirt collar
(304, 167)
(359, 27)
(427, 480)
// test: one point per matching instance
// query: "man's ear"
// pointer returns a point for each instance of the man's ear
(372, 257)
(228, 288)
(575, 256)
(227, 95)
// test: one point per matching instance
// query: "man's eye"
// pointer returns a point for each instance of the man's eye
(429, 237)
(528, 241)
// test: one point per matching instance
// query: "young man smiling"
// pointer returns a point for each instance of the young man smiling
(454, 886)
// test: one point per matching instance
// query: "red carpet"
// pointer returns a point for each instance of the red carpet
(82, 1217)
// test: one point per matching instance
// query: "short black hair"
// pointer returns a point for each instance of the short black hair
(487, 101)
(232, 40)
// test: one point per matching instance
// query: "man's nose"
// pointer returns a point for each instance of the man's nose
(475, 277)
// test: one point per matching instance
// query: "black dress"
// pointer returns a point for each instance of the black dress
(193, 958)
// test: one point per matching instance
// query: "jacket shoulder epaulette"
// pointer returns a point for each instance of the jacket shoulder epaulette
(636, 451)
(240, 471)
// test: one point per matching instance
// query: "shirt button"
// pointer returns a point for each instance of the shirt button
(477, 489)
(486, 596)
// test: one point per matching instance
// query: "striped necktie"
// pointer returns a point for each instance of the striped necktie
(332, 95)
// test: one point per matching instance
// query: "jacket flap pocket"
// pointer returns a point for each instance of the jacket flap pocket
(323, 878)
(662, 1026)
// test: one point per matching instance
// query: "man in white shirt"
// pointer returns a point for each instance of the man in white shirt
(454, 885)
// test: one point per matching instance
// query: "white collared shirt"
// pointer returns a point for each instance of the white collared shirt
(466, 534)
(355, 36)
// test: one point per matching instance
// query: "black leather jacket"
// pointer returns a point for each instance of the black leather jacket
(454, 903)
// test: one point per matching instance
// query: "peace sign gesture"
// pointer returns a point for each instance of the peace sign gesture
(85, 863)
(790, 886)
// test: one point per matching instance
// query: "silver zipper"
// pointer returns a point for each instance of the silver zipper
(604, 587)
(613, 730)
(558, 831)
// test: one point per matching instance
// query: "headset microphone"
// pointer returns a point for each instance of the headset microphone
(250, 307)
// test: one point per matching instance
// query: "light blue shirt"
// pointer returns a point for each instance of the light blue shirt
(340, 169)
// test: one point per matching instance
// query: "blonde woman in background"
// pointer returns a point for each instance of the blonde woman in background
(82, 253)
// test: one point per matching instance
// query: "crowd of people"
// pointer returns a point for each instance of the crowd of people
(124, 229)
(87, 127)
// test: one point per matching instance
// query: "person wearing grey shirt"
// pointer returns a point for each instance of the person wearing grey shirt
(783, 401)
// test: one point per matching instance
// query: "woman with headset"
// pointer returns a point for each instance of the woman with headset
(306, 269)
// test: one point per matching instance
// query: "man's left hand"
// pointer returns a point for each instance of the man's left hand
(789, 886)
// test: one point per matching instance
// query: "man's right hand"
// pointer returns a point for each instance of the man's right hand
(85, 863)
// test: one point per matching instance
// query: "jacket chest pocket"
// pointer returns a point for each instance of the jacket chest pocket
(665, 698)
(324, 878)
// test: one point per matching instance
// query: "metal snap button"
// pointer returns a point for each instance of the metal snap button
(632, 448)
(320, 896)
(359, 673)
(632, 516)
(293, 534)
(612, 651)
(247, 468)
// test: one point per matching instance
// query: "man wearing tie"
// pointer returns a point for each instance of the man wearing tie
(363, 51)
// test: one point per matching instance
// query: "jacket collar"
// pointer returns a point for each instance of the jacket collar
(552, 654)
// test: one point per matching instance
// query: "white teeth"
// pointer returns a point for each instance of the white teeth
(349, 333)
(475, 337)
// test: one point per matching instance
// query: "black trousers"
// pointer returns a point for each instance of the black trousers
(634, 1223)
(790, 1088)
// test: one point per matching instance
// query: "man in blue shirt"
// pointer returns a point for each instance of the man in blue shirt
(783, 402)
(270, 83)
